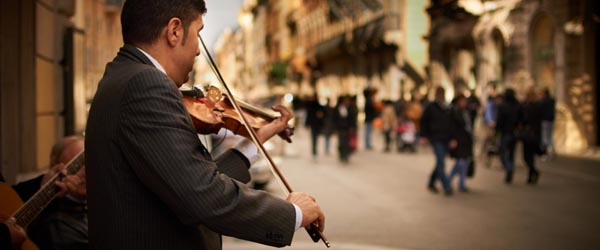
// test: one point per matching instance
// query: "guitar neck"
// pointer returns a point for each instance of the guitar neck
(34, 206)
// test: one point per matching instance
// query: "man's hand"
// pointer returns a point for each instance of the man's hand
(311, 212)
(58, 168)
(73, 185)
(275, 126)
(423, 140)
(17, 234)
(70, 184)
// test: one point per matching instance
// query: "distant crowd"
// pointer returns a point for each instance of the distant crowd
(448, 127)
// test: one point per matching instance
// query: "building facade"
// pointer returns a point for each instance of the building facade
(348, 46)
(52, 55)
(332, 48)
(521, 44)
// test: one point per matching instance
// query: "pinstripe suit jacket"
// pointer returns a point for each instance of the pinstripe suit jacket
(151, 182)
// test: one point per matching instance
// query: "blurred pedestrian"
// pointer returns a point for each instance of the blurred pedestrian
(491, 142)
(328, 126)
(473, 106)
(353, 119)
(371, 113)
(548, 106)
(389, 121)
(344, 125)
(530, 133)
(461, 143)
(490, 114)
(315, 118)
(413, 114)
(506, 124)
(435, 129)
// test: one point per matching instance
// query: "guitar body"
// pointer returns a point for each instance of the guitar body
(11, 202)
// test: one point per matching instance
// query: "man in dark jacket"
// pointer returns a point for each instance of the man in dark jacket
(530, 127)
(371, 113)
(435, 129)
(315, 119)
(151, 183)
(506, 124)
(548, 108)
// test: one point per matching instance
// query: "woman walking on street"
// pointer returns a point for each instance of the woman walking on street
(461, 140)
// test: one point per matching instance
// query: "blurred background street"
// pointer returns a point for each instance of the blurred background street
(380, 201)
(351, 66)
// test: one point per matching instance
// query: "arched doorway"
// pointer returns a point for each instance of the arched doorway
(543, 52)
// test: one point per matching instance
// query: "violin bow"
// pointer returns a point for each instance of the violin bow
(313, 232)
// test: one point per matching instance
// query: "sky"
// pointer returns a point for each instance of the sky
(221, 14)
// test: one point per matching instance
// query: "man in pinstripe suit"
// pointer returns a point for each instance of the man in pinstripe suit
(151, 183)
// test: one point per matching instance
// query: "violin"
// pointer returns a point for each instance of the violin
(212, 111)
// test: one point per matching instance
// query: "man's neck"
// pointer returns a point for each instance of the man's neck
(155, 62)
(158, 56)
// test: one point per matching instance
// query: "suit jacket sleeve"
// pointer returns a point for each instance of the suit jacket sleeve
(161, 146)
(235, 165)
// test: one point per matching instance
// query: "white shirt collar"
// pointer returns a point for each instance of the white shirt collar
(154, 62)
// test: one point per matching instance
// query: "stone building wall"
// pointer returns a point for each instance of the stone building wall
(538, 51)
(52, 58)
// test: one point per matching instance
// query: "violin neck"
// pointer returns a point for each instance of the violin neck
(262, 112)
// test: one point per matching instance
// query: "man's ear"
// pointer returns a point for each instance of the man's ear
(174, 31)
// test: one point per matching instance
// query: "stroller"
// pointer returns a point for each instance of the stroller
(406, 135)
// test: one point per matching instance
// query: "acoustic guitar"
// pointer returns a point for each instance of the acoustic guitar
(13, 208)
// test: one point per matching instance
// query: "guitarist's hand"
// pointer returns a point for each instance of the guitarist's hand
(17, 234)
(52, 172)
(70, 184)
(74, 185)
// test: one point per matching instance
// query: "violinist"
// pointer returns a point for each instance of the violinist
(151, 182)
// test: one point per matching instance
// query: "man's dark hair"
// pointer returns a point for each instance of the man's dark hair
(510, 95)
(546, 92)
(143, 20)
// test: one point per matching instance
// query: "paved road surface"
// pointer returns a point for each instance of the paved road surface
(379, 201)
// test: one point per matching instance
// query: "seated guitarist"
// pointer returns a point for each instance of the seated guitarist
(72, 190)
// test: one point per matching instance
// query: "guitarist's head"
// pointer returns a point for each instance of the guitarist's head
(66, 149)
(62, 153)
